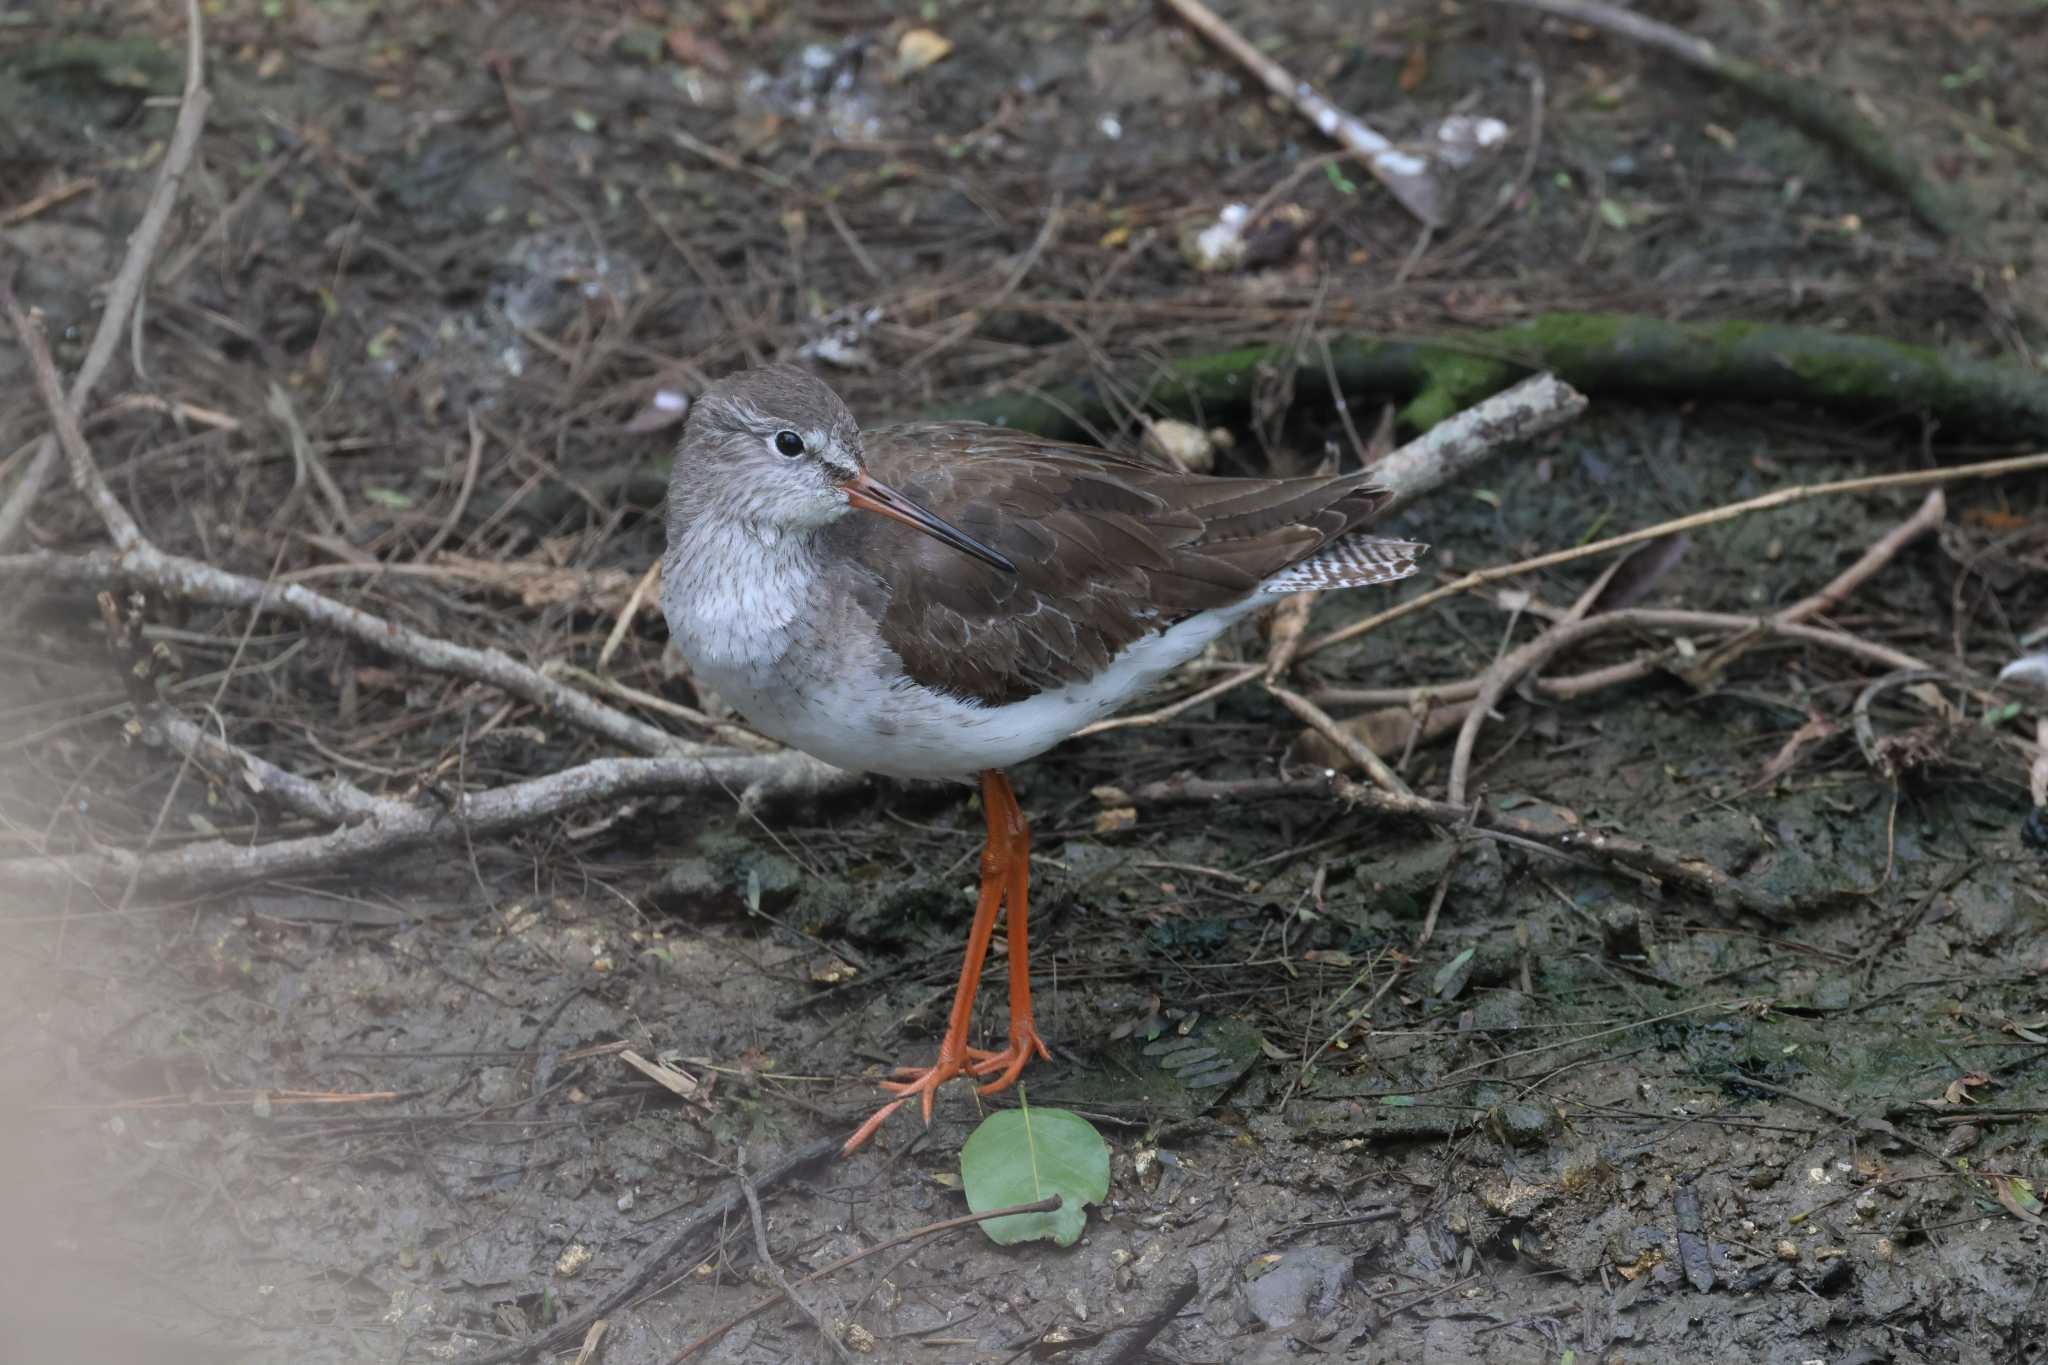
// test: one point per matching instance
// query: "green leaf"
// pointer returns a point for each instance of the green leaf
(1450, 978)
(1999, 715)
(1614, 214)
(1018, 1156)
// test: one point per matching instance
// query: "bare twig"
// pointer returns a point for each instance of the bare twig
(398, 828)
(126, 289)
(1783, 497)
(640, 593)
(190, 580)
(1441, 704)
(774, 1271)
(1457, 445)
(470, 468)
(1544, 647)
(120, 525)
(1046, 1205)
(337, 802)
(709, 1218)
(48, 200)
(965, 327)
(1933, 510)
(1316, 719)
(1126, 1344)
(1405, 175)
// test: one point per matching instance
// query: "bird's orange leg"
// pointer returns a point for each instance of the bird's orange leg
(999, 808)
(1025, 1043)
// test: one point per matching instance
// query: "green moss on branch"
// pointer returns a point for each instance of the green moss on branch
(1598, 353)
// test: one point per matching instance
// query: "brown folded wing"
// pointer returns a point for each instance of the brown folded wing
(1107, 547)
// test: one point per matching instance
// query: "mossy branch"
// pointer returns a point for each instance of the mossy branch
(1596, 353)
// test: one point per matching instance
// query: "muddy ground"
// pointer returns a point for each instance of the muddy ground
(381, 1115)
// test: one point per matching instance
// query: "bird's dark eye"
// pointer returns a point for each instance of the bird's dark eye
(789, 443)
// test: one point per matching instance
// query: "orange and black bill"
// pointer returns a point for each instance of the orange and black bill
(870, 496)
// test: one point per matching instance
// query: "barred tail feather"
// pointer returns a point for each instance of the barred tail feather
(1354, 562)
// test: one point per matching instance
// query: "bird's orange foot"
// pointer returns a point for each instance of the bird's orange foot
(1025, 1044)
(924, 1082)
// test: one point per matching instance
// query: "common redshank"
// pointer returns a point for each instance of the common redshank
(1009, 591)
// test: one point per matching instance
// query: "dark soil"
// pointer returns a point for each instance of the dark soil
(382, 1116)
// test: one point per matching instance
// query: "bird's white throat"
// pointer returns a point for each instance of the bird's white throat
(733, 590)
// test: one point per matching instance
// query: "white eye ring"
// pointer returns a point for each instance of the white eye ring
(788, 444)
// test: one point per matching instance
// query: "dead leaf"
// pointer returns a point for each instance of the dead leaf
(918, 48)
(1817, 728)
(1414, 69)
(1995, 519)
(1111, 819)
(1958, 1090)
(2031, 1034)
(678, 1083)
(2018, 1197)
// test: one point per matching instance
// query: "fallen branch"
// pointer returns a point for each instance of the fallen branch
(710, 1218)
(126, 289)
(393, 828)
(1415, 715)
(776, 1277)
(1462, 442)
(1126, 1344)
(190, 580)
(1543, 648)
(1321, 724)
(1597, 353)
(1783, 497)
(1405, 175)
(1799, 98)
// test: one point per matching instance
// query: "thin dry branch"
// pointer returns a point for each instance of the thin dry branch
(190, 580)
(1783, 497)
(1316, 719)
(1441, 708)
(126, 289)
(1405, 175)
(1499, 678)
(395, 828)
(121, 526)
(336, 801)
(1933, 510)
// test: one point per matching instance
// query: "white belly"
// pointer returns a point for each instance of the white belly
(907, 730)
